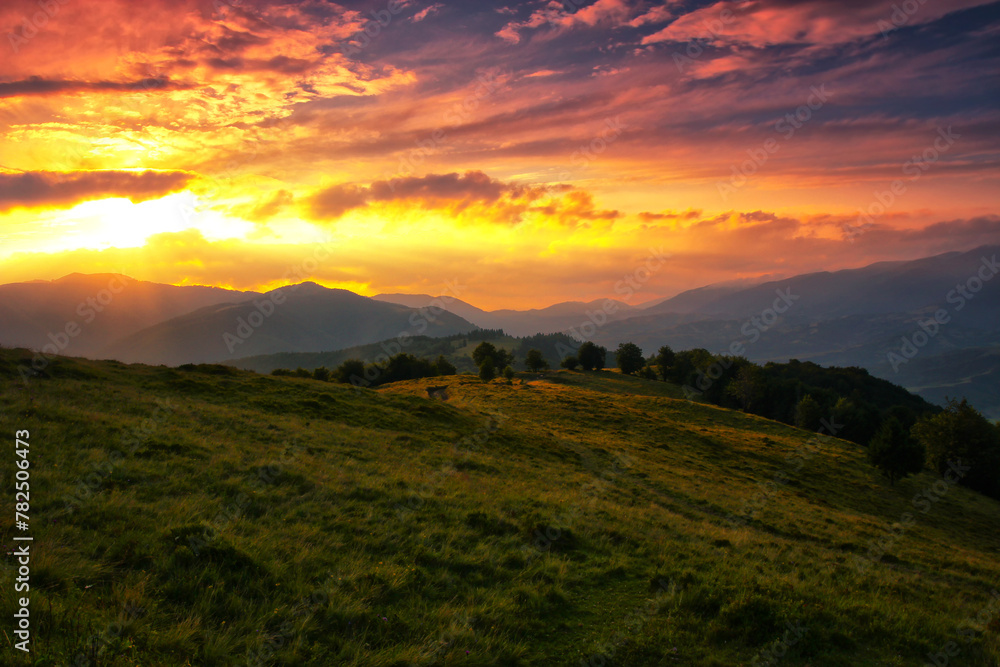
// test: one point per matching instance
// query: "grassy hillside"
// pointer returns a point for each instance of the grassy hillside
(217, 517)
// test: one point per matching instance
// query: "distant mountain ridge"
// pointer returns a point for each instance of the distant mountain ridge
(98, 308)
(852, 317)
(300, 318)
(557, 318)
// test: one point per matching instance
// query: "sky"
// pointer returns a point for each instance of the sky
(513, 154)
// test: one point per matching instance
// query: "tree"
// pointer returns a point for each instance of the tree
(322, 374)
(500, 357)
(629, 358)
(535, 361)
(808, 413)
(591, 356)
(961, 442)
(404, 366)
(570, 363)
(487, 371)
(483, 351)
(745, 386)
(665, 360)
(894, 452)
(444, 367)
(508, 374)
(351, 371)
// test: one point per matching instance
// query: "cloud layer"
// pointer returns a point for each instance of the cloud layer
(564, 136)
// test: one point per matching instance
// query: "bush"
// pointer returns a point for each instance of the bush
(351, 371)
(629, 358)
(894, 452)
(665, 360)
(591, 356)
(487, 371)
(535, 361)
(322, 374)
(961, 435)
(508, 373)
(499, 356)
(570, 363)
(808, 413)
(444, 367)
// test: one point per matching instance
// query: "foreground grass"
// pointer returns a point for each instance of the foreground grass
(213, 517)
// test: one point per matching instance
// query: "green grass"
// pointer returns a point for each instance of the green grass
(216, 517)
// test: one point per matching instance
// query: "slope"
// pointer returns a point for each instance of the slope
(208, 516)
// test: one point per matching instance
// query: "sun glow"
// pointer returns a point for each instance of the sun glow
(116, 223)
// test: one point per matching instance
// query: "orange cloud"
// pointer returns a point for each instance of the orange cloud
(466, 198)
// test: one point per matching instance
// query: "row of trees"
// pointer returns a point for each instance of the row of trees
(904, 434)
(399, 367)
(492, 360)
(958, 443)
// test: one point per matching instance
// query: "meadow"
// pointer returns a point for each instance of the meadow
(203, 515)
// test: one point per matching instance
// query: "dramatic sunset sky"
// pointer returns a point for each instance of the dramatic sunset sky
(532, 152)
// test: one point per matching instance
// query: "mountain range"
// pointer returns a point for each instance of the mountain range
(931, 324)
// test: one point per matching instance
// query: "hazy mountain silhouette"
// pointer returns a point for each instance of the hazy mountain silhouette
(556, 318)
(103, 308)
(298, 318)
(877, 289)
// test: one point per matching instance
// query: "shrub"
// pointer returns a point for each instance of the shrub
(487, 371)
(570, 363)
(535, 361)
(629, 358)
(592, 356)
(894, 452)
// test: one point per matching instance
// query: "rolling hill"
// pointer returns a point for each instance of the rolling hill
(557, 318)
(100, 307)
(300, 318)
(209, 516)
